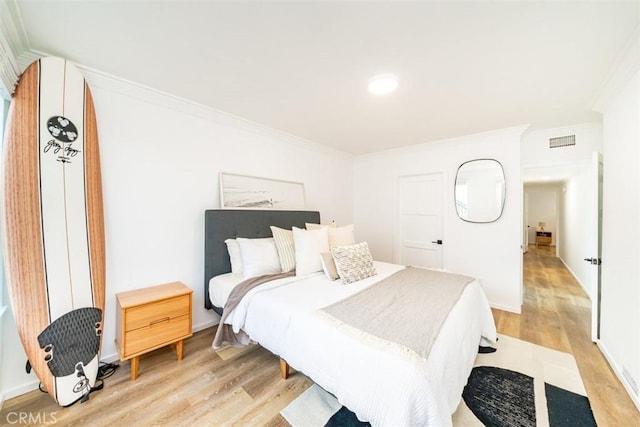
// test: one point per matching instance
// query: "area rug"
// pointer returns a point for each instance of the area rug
(521, 384)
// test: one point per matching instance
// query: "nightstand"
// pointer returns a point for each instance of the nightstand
(151, 318)
(543, 238)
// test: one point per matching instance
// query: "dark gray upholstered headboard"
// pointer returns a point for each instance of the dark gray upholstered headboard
(223, 224)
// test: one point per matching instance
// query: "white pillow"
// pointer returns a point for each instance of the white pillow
(309, 245)
(286, 250)
(353, 262)
(259, 256)
(234, 255)
(341, 236)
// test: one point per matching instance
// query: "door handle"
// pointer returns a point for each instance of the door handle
(594, 261)
(438, 242)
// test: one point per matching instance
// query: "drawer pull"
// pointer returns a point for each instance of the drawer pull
(164, 319)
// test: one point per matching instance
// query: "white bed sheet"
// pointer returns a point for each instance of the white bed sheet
(381, 387)
(221, 286)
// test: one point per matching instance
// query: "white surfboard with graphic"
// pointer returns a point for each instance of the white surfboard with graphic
(54, 227)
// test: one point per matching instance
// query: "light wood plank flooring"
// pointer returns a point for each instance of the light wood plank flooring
(224, 387)
(243, 386)
(557, 314)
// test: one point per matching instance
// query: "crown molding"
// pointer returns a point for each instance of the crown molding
(108, 82)
(13, 42)
(623, 70)
(12, 27)
(27, 57)
(515, 132)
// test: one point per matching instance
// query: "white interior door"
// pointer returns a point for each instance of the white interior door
(595, 257)
(419, 226)
(525, 231)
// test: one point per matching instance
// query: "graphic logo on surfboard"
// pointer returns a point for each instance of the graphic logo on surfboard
(65, 132)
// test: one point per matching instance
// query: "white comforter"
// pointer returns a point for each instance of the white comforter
(381, 387)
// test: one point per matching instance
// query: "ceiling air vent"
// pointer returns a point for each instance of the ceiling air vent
(562, 141)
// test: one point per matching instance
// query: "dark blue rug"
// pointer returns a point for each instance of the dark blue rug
(345, 418)
(568, 409)
(500, 397)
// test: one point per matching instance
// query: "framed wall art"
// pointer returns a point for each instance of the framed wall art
(252, 192)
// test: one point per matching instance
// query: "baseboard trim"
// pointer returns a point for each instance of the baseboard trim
(516, 310)
(19, 391)
(584, 288)
(205, 325)
(616, 370)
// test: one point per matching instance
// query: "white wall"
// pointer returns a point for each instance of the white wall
(490, 252)
(620, 339)
(4, 299)
(536, 151)
(2, 381)
(577, 218)
(160, 172)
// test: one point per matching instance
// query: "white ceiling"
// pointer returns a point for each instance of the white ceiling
(303, 67)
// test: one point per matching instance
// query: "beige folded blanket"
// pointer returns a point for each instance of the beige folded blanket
(407, 309)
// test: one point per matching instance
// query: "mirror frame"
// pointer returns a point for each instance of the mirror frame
(504, 192)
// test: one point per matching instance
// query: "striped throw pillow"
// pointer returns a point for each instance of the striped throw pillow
(286, 250)
(353, 262)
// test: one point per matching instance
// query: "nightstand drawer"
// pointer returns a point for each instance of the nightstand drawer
(165, 331)
(156, 312)
(150, 318)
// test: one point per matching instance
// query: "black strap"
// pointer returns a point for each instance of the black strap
(105, 370)
(85, 397)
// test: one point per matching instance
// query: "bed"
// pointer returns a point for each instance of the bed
(381, 386)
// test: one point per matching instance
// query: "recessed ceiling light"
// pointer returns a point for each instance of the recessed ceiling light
(383, 84)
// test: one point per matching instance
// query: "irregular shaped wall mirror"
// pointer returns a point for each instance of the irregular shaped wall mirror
(480, 190)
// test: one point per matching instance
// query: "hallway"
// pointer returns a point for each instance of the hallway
(556, 313)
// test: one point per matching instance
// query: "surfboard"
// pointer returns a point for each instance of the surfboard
(53, 227)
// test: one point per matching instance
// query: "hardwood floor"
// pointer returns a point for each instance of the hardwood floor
(207, 387)
(557, 314)
(243, 386)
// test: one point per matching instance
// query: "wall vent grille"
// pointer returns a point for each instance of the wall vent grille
(562, 141)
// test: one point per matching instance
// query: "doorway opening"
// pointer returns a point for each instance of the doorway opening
(561, 220)
(542, 214)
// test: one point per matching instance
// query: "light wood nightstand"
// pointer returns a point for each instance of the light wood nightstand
(543, 238)
(150, 318)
